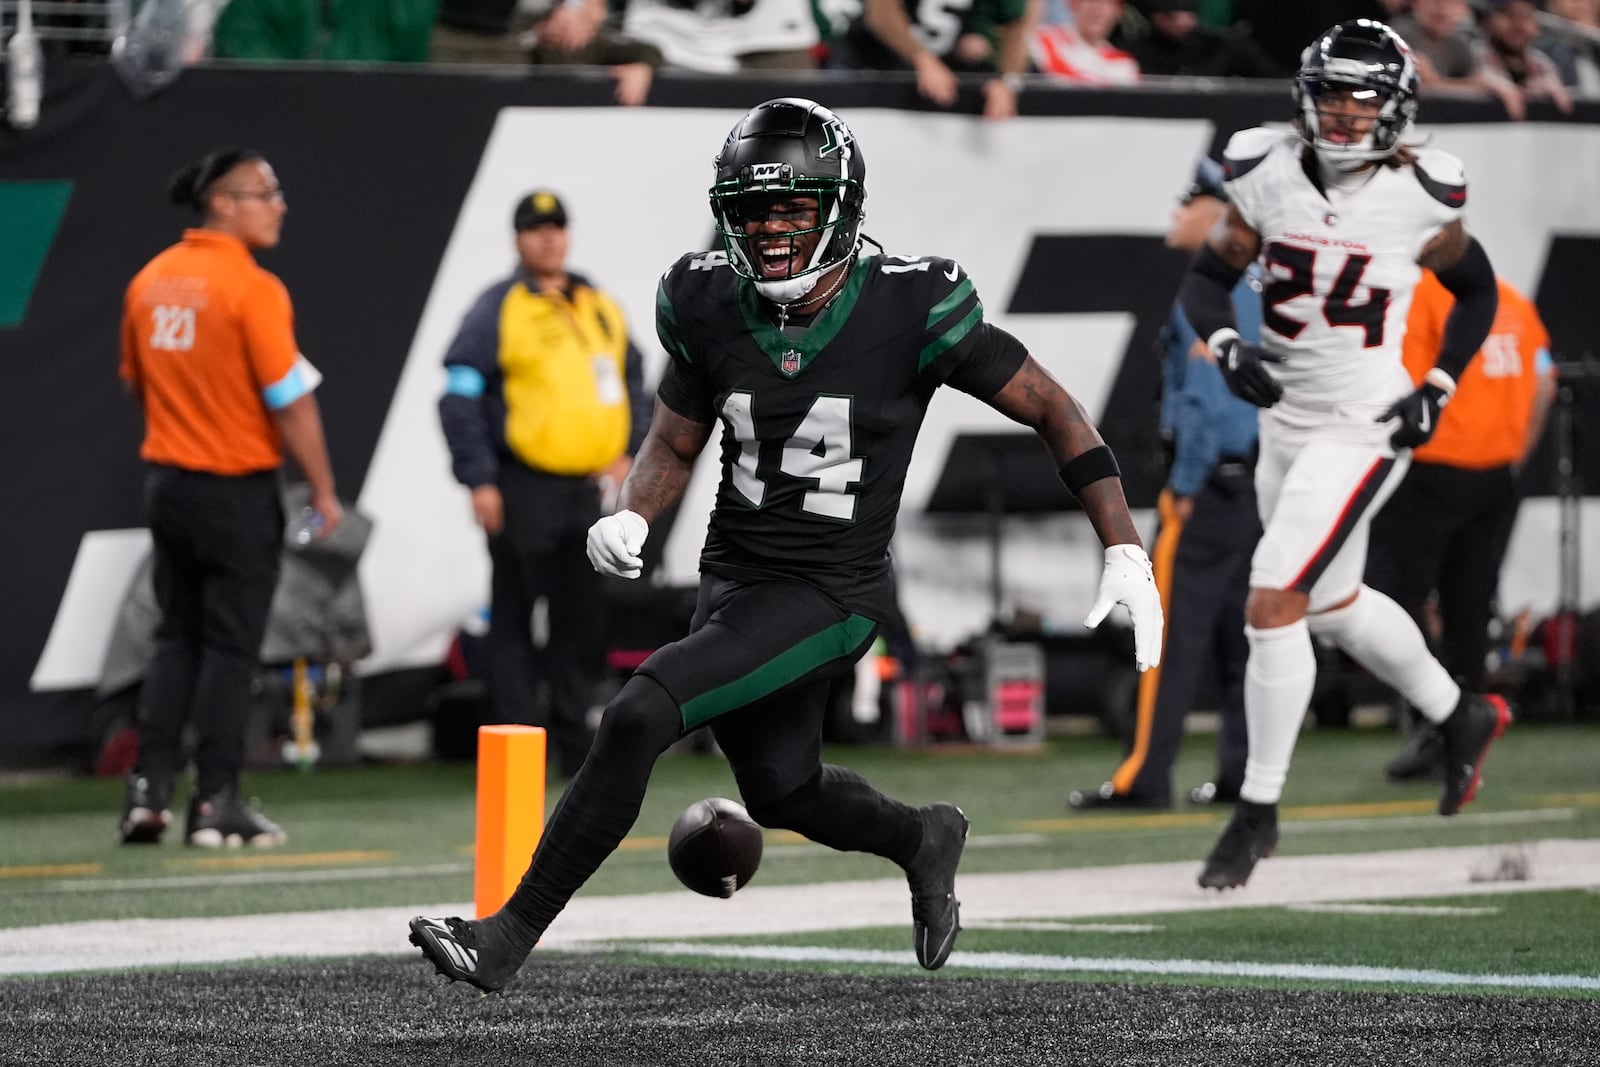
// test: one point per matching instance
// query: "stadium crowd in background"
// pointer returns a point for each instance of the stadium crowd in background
(1512, 50)
(543, 409)
(208, 350)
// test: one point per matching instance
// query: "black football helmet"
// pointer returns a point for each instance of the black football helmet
(795, 146)
(1372, 59)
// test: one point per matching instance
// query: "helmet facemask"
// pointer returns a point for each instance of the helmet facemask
(1370, 62)
(1382, 137)
(736, 203)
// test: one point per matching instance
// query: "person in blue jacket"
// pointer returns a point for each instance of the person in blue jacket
(1209, 528)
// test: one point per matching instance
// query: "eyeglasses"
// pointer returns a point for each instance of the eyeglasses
(270, 195)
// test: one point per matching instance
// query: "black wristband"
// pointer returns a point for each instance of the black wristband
(1088, 467)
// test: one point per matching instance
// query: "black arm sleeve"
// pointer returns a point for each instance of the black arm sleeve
(991, 361)
(1206, 294)
(1472, 282)
(640, 400)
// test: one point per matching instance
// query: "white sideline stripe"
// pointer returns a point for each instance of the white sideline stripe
(1122, 892)
(1391, 909)
(1067, 927)
(92, 884)
(1019, 961)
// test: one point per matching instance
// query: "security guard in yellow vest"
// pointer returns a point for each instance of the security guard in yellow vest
(543, 407)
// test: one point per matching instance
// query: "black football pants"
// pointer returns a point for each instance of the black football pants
(539, 555)
(756, 664)
(1445, 531)
(217, 541)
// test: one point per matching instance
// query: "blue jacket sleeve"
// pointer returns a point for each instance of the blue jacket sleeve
(472, 387)
(1193, 413)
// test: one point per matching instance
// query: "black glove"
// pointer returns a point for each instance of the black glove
(1418, 412)
(1243, 367)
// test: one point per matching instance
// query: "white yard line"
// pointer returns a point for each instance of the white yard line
(1021, 961)
(1137, 889)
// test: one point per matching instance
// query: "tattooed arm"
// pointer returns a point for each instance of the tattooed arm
(1035, 399)
(664, 463)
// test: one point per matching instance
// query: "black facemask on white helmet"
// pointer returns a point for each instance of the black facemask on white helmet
(1367, 59)
(800, 148)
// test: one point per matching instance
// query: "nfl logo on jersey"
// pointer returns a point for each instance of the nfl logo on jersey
(791, 363)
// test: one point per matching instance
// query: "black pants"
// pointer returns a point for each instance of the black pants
(1206, 584)
(217, 542)
(756, 664)
(1445, 531)
(539, 555)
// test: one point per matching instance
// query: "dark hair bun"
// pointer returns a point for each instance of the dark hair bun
(181, 187)
(189, 186)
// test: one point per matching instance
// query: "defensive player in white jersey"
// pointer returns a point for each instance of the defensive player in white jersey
(1342, 215)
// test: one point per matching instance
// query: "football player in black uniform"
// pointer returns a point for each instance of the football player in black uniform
(819, 363)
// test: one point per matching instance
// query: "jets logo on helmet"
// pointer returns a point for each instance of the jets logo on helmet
(838, 137)
(795, 146)
(1367, 62)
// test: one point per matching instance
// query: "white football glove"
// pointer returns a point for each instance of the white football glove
(1128, 580)
(614, 544)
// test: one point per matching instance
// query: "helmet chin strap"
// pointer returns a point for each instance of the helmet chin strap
(1344, 164)
(785, 291)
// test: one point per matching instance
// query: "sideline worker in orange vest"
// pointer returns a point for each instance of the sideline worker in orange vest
(208, 349)
(1444, 532)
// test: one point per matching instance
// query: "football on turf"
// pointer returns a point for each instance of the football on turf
(714, 847)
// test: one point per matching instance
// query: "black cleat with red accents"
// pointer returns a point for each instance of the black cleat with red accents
(1468, 733)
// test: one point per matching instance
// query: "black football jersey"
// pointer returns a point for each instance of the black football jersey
(817, 431)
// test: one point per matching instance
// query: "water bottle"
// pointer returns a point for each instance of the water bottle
(24, 74)
(306, 528)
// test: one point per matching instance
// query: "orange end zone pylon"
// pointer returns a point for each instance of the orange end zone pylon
(510, 810)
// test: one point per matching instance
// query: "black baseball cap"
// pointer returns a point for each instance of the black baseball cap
(538, 208)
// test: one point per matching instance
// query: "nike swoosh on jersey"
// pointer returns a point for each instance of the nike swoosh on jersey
(952, 272)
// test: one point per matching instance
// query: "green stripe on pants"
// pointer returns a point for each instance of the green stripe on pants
(836, 641)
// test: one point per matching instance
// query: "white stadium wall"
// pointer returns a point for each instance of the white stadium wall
(391, 235)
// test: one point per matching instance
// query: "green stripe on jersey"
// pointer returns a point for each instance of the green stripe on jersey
(951, 302)
(837, 640)
(950, 338)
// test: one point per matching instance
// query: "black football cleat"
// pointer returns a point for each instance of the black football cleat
(1468, 733)
(935, 911)
(1250, 836)
(1106, 798)
(146, 811)
(463, 950)
(224, 820)
(1421, 756)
